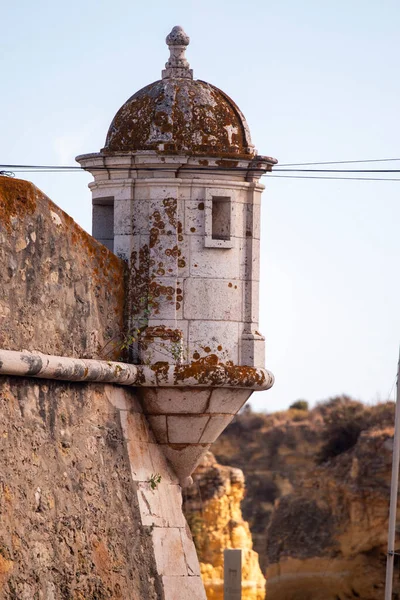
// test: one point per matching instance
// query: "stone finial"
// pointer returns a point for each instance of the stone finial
(177, 65)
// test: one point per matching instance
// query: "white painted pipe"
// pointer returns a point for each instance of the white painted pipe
(393, 495)
(44, 366)
(64, 368)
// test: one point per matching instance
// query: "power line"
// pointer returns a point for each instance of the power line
(338, 178)
(340, 162)
(73, 168)
(66, 168)
(338, 170)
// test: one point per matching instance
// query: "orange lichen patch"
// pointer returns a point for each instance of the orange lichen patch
(6, 567)
(101, 556)
(154, 235)
(175, 252)
(209, 371)
(181, 116)
(163, 332)
(229, 284)
(170, 207)
(219, 348)
(156, 290)
(193, 229)
(230, 164)
(139, 280)
(161, 369)
(17, 199)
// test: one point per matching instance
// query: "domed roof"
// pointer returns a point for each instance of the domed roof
(180, 115)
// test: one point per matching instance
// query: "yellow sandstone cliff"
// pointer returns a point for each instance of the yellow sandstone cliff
(212, 508)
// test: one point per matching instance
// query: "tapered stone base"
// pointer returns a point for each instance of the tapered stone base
(186, 421)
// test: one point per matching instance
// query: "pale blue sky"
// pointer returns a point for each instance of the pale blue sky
(316, 81)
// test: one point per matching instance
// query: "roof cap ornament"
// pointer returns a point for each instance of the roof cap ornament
(177, 65)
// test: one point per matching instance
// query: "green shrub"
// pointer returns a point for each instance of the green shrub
(300, 405)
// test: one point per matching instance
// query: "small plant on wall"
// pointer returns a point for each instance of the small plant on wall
(154, 480)
(141, 343)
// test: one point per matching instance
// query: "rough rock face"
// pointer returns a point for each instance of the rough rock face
(320, 483)
(212, 508)
(274, 451)
(69, 520)
(61, 292)
(328, 539)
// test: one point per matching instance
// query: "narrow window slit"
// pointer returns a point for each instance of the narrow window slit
(221, 218)
(103, 221)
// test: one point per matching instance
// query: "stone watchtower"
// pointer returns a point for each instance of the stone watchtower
(176, 194)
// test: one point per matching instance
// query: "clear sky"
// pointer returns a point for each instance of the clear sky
(317, 81)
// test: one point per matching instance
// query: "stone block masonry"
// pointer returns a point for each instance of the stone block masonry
(160, 501)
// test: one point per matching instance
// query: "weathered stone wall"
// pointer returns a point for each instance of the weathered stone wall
(70, 524)
(89, 508)
(61, 292)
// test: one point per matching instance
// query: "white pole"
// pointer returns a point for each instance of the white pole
(393, 494)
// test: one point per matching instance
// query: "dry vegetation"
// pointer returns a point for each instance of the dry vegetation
(276, 451)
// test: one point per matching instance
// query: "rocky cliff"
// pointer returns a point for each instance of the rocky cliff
(317, 497)
(274, 451)
(212, 508)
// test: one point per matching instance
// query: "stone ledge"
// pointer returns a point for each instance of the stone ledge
(204, 375)
(160, 374)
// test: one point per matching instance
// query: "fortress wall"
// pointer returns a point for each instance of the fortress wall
(61, 291)
(79, 518)
(89, 508)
